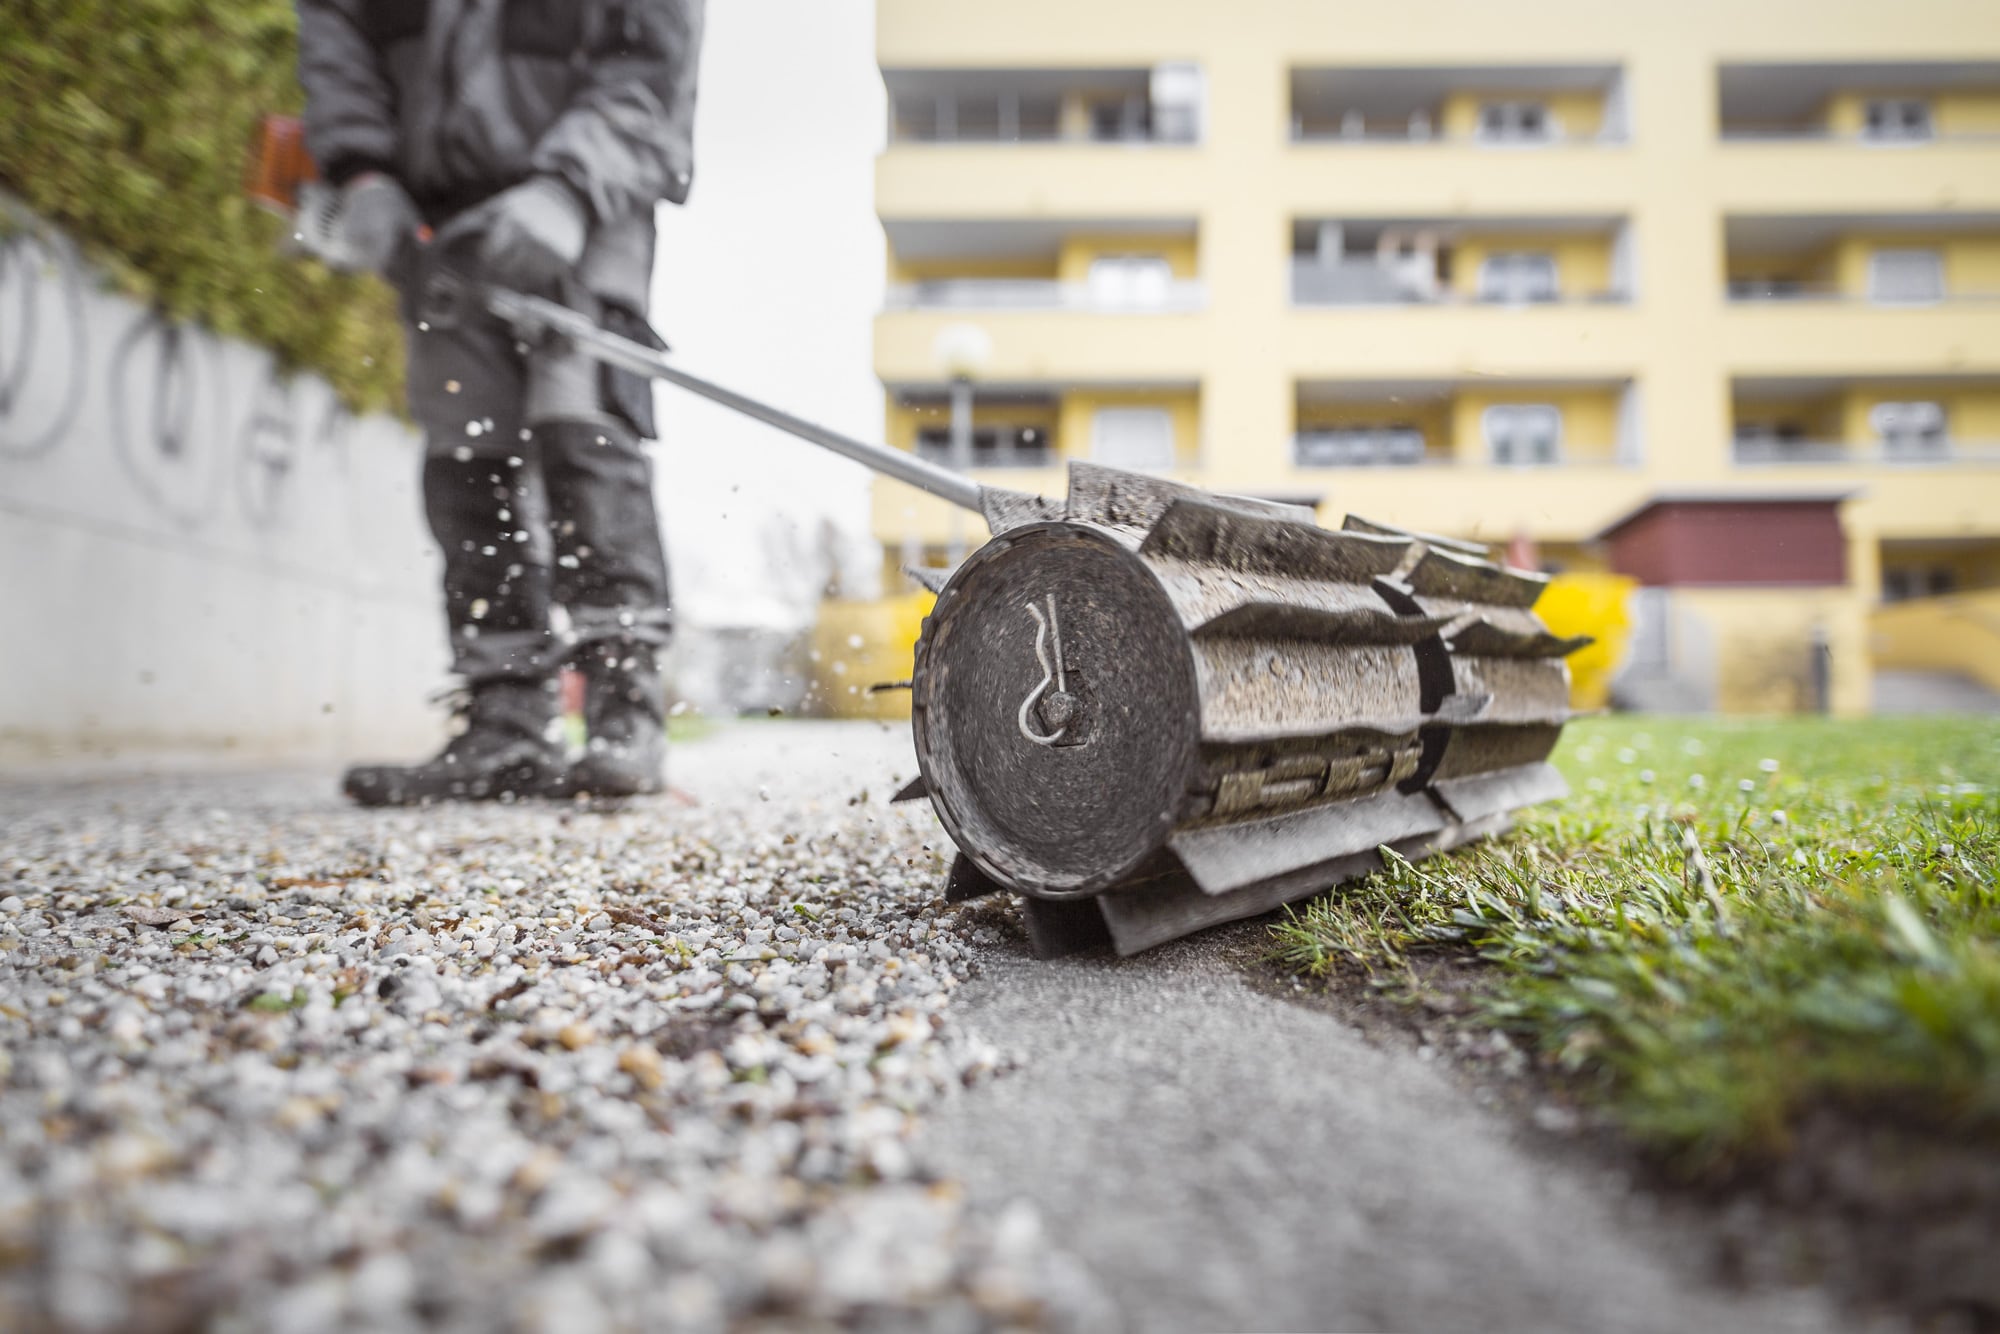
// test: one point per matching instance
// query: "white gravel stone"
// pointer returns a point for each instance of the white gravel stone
(510, 1067)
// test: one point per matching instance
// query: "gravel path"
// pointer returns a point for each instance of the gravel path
(272, 1063)
(268, 1062)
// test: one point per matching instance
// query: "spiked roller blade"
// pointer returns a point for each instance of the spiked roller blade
(1151, 709)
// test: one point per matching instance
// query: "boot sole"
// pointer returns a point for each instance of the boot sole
(574, 785)
(525, 778)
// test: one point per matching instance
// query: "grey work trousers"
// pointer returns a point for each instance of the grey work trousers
(539, 493)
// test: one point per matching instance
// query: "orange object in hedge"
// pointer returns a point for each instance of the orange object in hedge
(279, 164)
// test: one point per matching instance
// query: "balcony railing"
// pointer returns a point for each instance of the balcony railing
(1408, 136)
(1369, 283)
(1403, 447)
(1177, 135)
(1178, 296)
(1779, 133)
(1010, 118)
(1754, 291)
(1833, 453)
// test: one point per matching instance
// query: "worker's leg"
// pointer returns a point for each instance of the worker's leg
(484, 503)
(610, 566)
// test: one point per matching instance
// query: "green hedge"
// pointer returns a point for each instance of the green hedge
(130, 123)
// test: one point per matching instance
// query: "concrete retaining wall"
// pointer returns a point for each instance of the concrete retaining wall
(197, 554)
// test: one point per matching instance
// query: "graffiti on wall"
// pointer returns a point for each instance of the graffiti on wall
(183, 442)
(41, 334)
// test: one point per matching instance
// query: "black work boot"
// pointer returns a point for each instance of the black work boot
(504, 752)
(624, 716)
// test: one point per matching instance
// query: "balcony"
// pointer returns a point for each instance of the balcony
(1924, 451)
(1859, 137)
(1390, 424)
(1439, 262)
(1169, 296)
(1008, 433)
(1021, 437)
(1500, 107)
(1876, 421)
(1103, 298)
(1879, 259)
(1367, 283)
(1891, 105)
(1148, 105)
(1792, 291)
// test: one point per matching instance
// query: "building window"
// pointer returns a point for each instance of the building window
(1905, 276)
(1127, 282)
(1397, 445)
(1913, 430)
(1136, 439)
(1515, 122)
(992, 446)
(1905, 582)
(1519, 434)
(1517, 277)
(1896, 118)
(1126, 118)
(1178, 92)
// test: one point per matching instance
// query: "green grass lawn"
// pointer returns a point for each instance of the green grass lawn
(1727, 924)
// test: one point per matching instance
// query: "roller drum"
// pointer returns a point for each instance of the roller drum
(1149, 709)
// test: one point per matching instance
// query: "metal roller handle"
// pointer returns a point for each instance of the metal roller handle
(533, 312)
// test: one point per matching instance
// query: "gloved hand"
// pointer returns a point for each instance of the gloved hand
(531, 235)
(377, 218)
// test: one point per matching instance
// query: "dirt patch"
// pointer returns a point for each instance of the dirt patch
(687, 1036)
(1887, 1208)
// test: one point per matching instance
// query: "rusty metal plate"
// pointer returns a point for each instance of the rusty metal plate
(1154, 914)
(1502, 790)
(1523, 690)
(1006, 510)
(1354, 523)
(1120, 499)
(1486, 638)
(1255, 690)
(1204, 592)
(1443, 574)
(1227, 858)
(1206, 533)
(1280, 620)
(1485, 749)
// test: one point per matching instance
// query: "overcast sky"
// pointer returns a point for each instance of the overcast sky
(767, 281)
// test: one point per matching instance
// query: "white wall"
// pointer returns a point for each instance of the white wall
(768, 280)
(196, 554)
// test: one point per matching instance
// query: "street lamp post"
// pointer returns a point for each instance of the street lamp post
(961, 351)
(961, 455)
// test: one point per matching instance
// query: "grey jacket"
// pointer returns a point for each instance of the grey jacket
(459, 99)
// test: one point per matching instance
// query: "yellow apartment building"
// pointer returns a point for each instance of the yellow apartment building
(1629, 286)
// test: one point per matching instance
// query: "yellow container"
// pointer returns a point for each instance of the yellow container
(857, 645)
(1590, 604)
